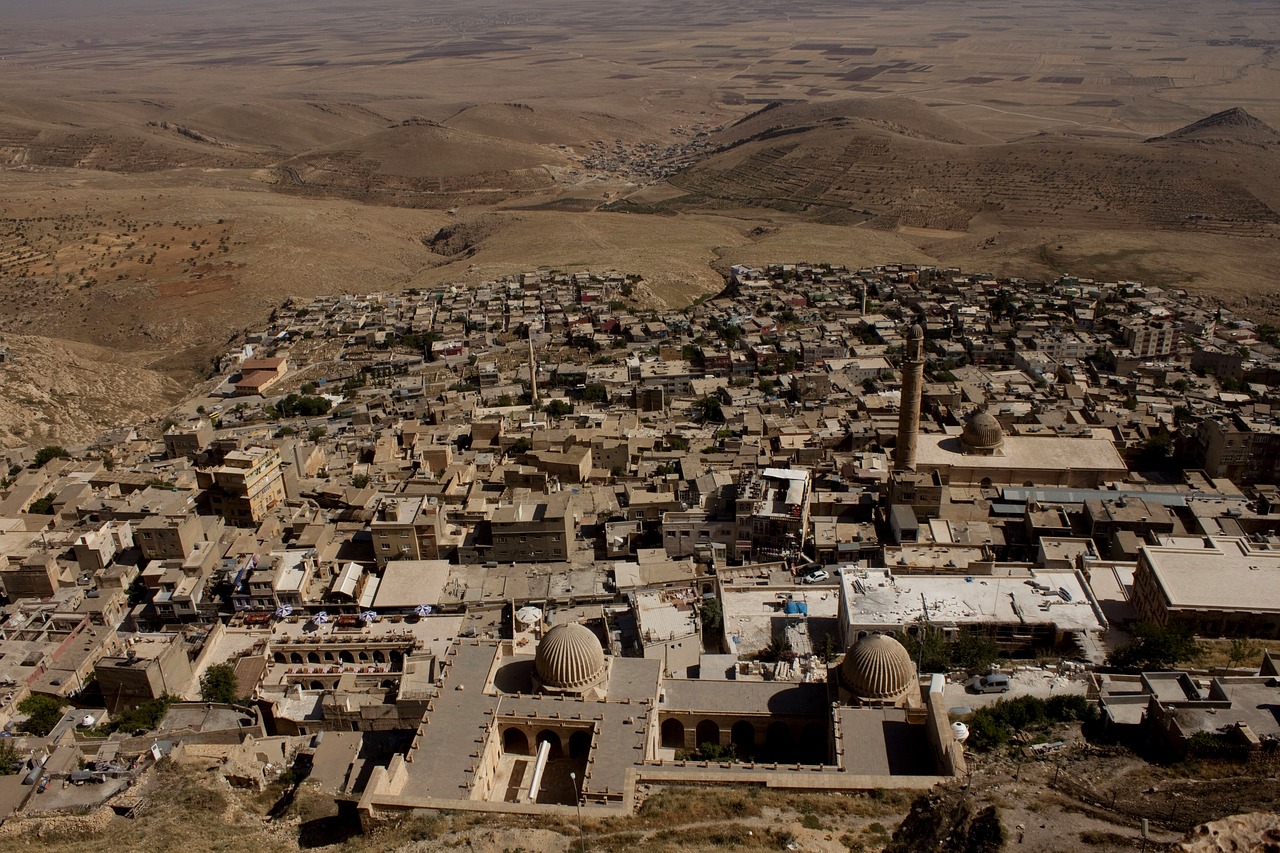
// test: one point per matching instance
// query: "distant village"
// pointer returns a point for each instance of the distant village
(533, 545)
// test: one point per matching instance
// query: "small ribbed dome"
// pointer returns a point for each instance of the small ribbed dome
(878, 668)
(569, 657)
(982, 433)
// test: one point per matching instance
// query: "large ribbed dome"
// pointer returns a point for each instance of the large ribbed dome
(878, 669)
(569, 657)
(982, 434)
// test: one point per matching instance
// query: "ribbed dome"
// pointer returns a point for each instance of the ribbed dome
(981, 433)
(878, 668)
(569, 657)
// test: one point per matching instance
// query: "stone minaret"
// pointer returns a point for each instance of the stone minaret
(904, 456)
(533, 373)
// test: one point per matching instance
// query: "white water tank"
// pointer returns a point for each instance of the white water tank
(960, 730)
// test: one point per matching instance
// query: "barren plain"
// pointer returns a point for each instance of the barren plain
(169, 172)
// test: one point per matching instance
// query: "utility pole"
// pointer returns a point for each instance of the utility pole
(577, 800)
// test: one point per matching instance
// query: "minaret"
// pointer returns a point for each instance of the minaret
(904, 456)
(533, 373)
(864, 299)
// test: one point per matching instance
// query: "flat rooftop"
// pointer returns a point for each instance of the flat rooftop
(1023, 453)
(878, 599)
(1220, 574)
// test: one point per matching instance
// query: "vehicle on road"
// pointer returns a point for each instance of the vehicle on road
(994, 683)
(817, 577)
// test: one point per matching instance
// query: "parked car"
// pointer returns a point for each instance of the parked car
(817, 577)
(994, 683)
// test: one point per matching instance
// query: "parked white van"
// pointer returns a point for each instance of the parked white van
(994, 683)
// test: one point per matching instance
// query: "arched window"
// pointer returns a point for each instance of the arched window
(557, 749)
(515, 742)
(708, 731)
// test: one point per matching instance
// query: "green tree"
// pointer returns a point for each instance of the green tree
(145, 717)
(595, 393)
(1155, 647)
(521, 445)
(712, 616)
(42, 506)
(10, 761)
(1240, 650)
(43, 713)
(928, 648)
(49, 452)
(974, 652)
(559, 408)
(710, 410)
(218, 684)
(360, 481)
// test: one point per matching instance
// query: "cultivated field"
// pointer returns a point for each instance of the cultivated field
(168, 173)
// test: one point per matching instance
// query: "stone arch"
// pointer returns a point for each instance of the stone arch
(580, 744)
(364, 657)
(672, 733)
(986, 483)
(345, 656)
(515, 742)
(547, 735)
(316, 685)
(743, 736)
(312, 657)
(708, 589)
(708, 731)
(397, 657)
(813, 742)
(295, 657)
(279, 657)
(378, 656)
(777, 741)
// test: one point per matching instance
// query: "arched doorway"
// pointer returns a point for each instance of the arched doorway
(813, 741)
(557, 750)
(312, 657)
(777, 742)
(316, 685)
(345, 656)
(580, 745)
(708, 731)
(295, 658)
(743, 735)
(515, 742)
(278, 657)
(673, 733)
(378, 656)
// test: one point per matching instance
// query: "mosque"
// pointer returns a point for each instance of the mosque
(982, 455)
(507, 729)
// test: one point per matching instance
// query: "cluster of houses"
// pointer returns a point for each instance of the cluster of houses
(382, 494)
